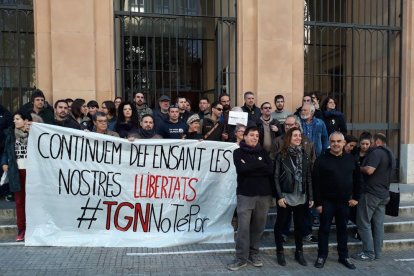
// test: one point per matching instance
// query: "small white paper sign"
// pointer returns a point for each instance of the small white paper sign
(238, 118)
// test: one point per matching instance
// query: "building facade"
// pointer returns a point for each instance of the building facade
(357, 51)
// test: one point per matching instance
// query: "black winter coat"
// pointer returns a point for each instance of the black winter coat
(9, 158)
(284, 176)
(254, 171)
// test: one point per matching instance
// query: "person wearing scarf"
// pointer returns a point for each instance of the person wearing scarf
(254, 195)
(293, 180)
(13, 162)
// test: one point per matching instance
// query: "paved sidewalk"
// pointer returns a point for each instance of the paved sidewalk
(20, 260)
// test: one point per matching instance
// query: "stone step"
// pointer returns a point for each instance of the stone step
(406, 190)
(391, 224)
(392, 241)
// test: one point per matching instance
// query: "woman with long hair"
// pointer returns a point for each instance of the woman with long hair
(108, 107)
(334, 119)
(364, 146)
(13, 162)
(117, 101)
(79, 111)
(127, 120)
(293, 179)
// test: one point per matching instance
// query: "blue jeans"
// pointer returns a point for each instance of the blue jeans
(251, 221)
(370, 222)
(339, 210)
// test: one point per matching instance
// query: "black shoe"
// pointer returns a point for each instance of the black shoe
(347, 262)
(281, 259)
(300, 259)
(320, 262)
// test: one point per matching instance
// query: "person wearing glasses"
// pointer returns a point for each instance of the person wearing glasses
(100, 124)
(269, 128)
(213, 128)
(280, 112)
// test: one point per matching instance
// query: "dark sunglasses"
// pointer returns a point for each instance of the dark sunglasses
(219, 109)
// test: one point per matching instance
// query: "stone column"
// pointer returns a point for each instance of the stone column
(407, 97)
(74, 48)
(270, 50)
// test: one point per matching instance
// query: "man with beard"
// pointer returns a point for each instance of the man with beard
(269, 128)
(141, 106)
(224, 100)
(62, 117)
(280, 112)
(204, 107)
(213, 128)
(147, 130)
(314, 128)
(182, 105)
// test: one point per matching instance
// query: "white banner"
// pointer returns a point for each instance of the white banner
(88, 189)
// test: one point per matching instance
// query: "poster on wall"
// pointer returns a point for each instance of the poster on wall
(88, 189)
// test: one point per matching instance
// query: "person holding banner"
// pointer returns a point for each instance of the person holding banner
(13, 162)
(254, 194)
(293, 179)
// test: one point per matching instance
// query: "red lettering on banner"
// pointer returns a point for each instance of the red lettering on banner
(165, 187)
(128, 218)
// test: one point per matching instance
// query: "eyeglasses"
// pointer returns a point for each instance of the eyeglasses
(102, 121)
(219, 109)
(267, 107)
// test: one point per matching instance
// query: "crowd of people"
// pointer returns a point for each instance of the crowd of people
(305, 160)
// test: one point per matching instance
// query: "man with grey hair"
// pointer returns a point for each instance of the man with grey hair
(336, 187)
(314, 128)
(250, 107)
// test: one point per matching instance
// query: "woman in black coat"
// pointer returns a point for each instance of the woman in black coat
(334, 120)
(128, 121)
(293, 180)
(13, 162)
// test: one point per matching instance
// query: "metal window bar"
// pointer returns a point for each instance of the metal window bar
(355, 47)
(182, 24)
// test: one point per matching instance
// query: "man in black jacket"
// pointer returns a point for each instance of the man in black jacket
(337, 182)
(62, 117)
